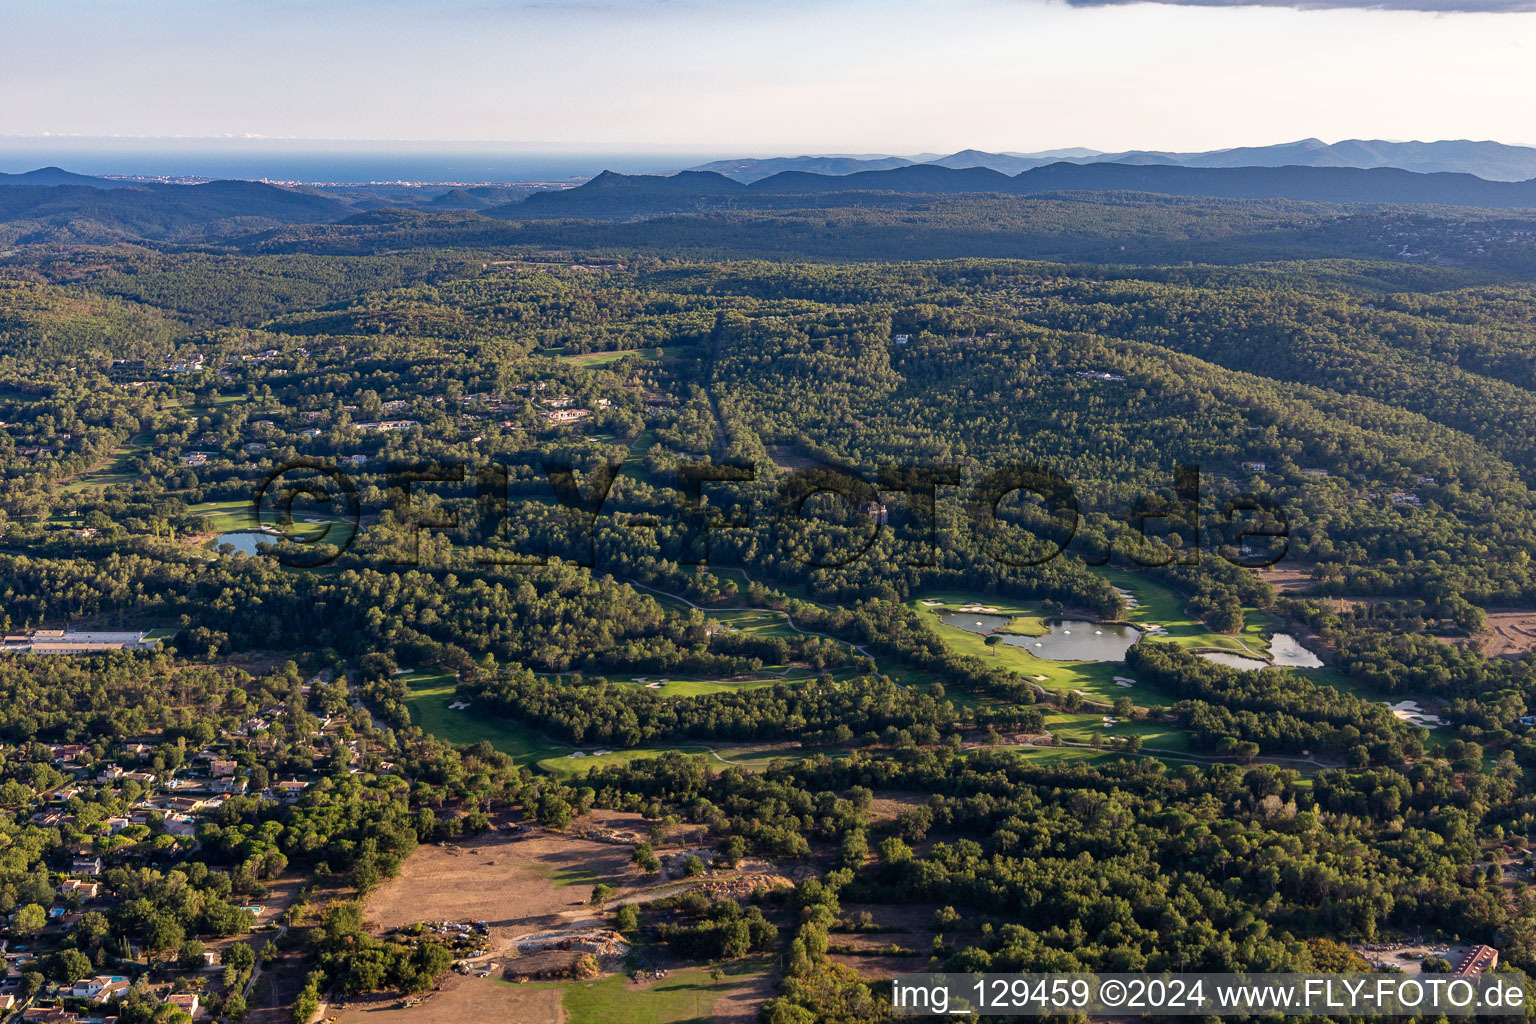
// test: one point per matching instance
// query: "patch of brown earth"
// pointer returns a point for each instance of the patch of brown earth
(458, 999)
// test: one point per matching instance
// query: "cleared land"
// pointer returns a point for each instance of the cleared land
(1510, 634)
(458, 999)
(539, 882)
(517, 884)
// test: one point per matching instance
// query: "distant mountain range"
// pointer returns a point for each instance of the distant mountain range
(611, 196)
(53, 205)
(1491, 160)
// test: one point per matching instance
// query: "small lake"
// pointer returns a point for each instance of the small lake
(1237, 661)
(1286, 652)
(245, 541)
(1067, 640)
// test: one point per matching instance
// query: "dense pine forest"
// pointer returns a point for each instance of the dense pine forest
(754, 527)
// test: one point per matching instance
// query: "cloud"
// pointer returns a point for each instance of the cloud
(1434, 6)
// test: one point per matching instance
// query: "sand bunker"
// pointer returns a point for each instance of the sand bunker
(1409, 711)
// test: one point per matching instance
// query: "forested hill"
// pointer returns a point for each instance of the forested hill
(616, 195)
(45, 176)
(71, 208)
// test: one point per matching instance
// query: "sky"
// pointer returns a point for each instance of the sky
(758, 77)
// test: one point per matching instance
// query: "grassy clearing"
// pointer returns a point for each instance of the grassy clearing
(225, 516)
(1026, 625)
(569, 875)
(685, 995)
(116, 469)
(604, 358)
(758, 623)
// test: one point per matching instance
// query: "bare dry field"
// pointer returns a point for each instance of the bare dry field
(918, 935)
(747, 995)
(1511, 633)
(535, 883)
(517, 883)
(1287, 581)
(459, 999)
(890, 803)
(880, 968)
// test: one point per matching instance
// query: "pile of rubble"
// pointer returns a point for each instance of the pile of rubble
(598, 834)
(740, 887)
(599, 941)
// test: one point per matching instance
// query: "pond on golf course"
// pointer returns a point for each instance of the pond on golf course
(244, 541)
(1066, 639)
(1284, 652)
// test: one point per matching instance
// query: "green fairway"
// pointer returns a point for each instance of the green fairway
(428, 700)
(116, 469)
(1056, 755)
(752, 758)
(694, 687)
(573, 764)
(1081, 728)
(1158, 605)
(431, 693)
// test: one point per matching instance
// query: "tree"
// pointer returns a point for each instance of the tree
(239, 955)
(69, 965)
(163, 933)
(601, 892)
(430, 960)
(29, 920)
(190, 956)
(626, 918)
(645, 857)
(730, 852)
(307, 1001)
